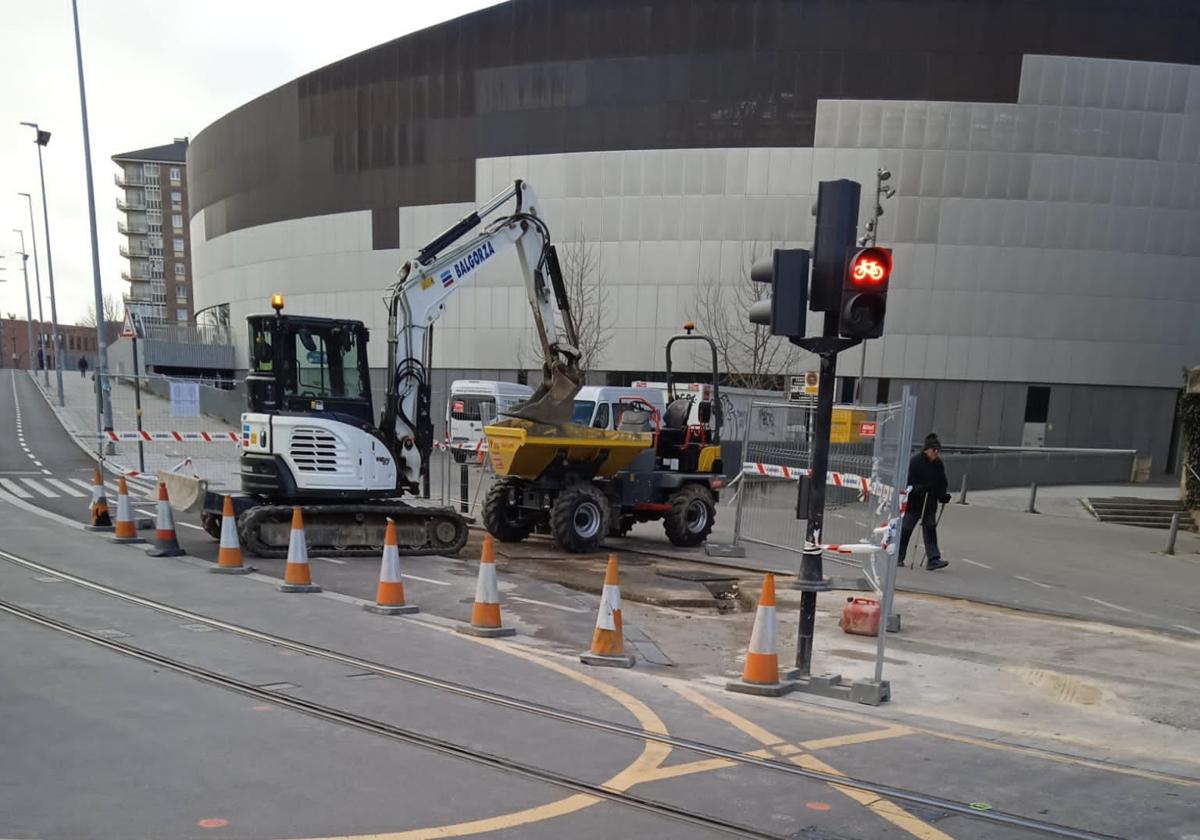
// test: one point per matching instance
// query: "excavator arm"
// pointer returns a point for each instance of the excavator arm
(437, 272)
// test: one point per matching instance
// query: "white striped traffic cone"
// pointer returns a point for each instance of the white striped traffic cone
(296, 575)
(126, 528)
(608, 639)
(99, 520)
(761, 673)
(485, 613)
(166, 544)
(389, 597)
(229, 557)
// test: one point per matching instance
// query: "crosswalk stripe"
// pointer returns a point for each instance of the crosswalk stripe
(63, 486)
(14, 488)
(41, 488)
(86, 485)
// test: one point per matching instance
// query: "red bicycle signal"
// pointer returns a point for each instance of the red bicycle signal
(870, 267)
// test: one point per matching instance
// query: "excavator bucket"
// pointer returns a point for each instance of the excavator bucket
(554, 400)
(186, 492)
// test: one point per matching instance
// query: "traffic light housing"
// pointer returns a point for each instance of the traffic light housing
(784, 310)
(836, 214)
(864, 292)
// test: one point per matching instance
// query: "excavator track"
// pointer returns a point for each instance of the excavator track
(353, 530)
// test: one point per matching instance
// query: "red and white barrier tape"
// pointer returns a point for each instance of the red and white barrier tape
(836, 479)
(172, 437)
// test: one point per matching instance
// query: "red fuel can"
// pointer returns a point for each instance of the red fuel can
(860, 617)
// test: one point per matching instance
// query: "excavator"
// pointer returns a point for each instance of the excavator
(309, 438)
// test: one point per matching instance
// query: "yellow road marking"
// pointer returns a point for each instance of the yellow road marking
(732, 718)
(884, 808)
(641, 769)
(855, 738)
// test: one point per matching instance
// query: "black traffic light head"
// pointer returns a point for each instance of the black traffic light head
(784, 309)
(864, 292)
(837, 225)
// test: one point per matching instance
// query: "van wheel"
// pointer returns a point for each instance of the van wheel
(504, 520)
(692, 516)
(579, 518)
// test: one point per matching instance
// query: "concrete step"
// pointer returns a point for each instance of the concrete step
(1143, 513)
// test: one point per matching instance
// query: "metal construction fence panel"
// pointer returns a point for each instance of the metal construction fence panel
(866, 454)
(179, 427)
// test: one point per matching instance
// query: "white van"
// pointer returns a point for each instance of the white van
(599, 406)
(471, 403)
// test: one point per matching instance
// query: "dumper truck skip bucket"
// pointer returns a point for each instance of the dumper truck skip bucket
(522, 449)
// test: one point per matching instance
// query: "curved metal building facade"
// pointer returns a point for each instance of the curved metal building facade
(1046, 158)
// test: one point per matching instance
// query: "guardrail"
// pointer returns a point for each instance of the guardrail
(988, 467)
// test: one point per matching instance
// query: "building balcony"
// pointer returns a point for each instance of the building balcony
(132, 275)
(132, 230)
(132, 204)
(135, 252)
(123, 180)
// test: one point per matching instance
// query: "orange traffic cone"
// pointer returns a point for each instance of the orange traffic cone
(389, 598)
(126, 528)
(100, 520)
(608, 639)
(485, 614)
(296, 576)
(229, 557)
(761, 673)
(166, 544)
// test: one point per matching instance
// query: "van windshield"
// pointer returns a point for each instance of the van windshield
(469, 407)
(582, 415)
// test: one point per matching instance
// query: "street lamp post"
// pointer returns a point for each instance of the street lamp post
(43, 137)
(28, 306)
(37, 276)
(104, 421)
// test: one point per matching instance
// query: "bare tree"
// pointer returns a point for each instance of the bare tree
(112, 313)
(113, 318)
(750, 357)
(589, 302)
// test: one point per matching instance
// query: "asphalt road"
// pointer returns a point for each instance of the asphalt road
(102, 745)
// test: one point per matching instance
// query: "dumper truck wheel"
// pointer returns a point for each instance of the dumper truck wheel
(212, 525)
(579, 518)
(503, 519)
(692, 515)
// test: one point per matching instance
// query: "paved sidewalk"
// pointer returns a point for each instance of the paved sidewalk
(215, 461)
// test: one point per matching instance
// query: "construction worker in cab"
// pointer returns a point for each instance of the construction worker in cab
(927, 477)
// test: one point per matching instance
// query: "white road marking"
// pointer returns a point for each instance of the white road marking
(1107, 604)
(1189, 629)
(46, 472)
(546, 604)
(1034, 582)
(145, 512)
(426, 580)
(190, 525)
(14, 488)
(975, 563)
(36, 461)
(41, 488)
(333, 560)
(86, 485)
(63, 486)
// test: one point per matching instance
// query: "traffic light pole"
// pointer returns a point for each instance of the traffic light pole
(812, 574)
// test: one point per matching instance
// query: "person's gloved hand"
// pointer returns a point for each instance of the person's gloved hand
(944, 498)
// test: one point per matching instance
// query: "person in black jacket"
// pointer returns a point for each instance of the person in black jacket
(927, 477)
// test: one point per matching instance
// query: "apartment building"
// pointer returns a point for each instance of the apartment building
(154, 201)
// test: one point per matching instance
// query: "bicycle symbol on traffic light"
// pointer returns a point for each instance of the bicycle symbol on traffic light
(870, 269)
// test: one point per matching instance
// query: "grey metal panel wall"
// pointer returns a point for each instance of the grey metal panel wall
(402, 123)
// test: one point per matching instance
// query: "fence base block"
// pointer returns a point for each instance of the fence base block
(867, 692)
(723, 550)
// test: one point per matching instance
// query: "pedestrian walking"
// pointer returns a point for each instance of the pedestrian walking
(83, 366)
(927, 477)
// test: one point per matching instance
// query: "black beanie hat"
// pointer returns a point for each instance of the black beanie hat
(932, 442)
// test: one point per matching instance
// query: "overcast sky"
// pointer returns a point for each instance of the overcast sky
(155, 70)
